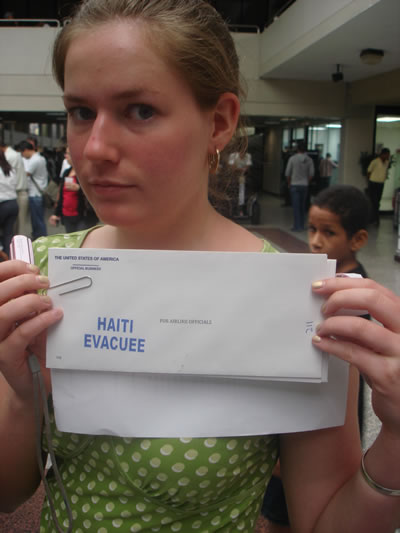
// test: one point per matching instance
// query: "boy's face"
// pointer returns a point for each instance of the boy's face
(326, 235)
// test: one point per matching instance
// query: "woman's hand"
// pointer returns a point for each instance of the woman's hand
(373, 348)
(24, 319)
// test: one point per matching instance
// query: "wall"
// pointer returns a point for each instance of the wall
(357, 136)
(283, 97)
(26, 82)
(272, 163)
(295, 99)
(379, 90)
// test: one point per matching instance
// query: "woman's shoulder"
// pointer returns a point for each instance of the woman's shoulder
(59, 240)
(267, 248)
(228, 236)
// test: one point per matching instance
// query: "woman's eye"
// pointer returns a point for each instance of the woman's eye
(141, 111)
(311, 229)
(81, 113)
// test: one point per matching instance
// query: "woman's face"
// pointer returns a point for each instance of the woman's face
(138, 139)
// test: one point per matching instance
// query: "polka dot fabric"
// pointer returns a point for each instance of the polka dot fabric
(167, 485)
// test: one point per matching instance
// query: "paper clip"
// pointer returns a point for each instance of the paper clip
(87, 282)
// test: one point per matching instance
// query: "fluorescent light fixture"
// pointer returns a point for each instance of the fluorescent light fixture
(388, 119)
(333, 125)
(371, 56)
(317, 128)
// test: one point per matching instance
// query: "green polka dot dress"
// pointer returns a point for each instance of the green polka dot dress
(163, 485)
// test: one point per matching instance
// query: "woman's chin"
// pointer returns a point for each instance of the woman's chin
(119, 216)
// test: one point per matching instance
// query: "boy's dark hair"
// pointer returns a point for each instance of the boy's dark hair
(350, 204)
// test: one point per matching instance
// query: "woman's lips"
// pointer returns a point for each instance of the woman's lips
(105, 188)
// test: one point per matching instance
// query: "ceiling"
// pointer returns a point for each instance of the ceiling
(377, 27)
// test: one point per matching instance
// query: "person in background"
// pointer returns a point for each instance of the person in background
(152, 93)
(241, 162)
(326, 166)
(32, 140)
(377, 174)
(23, 225)
(337, 226)
(8, 202)
(299, 172)
(36, 170)
(64, 165)
(70, 206)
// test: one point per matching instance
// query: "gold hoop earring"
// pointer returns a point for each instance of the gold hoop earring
(213, 162)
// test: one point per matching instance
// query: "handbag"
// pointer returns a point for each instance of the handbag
(49, 193)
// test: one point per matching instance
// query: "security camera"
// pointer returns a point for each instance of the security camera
(337, 76)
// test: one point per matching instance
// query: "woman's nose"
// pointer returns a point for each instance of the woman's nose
(101, 144)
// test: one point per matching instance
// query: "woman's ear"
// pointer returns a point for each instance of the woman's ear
(225, 117)
(359, 240)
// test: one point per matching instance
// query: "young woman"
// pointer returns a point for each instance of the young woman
(152, 94)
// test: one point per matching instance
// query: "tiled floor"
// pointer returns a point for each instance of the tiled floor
(378, 259)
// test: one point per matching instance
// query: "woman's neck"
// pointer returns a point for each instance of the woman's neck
(211, 232)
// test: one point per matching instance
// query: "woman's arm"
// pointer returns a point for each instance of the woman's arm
(325, 489)
(24, 318)
(19, 473)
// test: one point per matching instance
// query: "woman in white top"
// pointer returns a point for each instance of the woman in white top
(8, 202)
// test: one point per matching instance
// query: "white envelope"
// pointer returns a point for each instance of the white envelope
(247, 315)
(171, 406)
(154, 404)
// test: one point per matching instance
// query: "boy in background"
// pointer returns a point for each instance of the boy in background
(337, 226)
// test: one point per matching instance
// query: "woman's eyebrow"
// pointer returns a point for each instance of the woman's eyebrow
(120, 95)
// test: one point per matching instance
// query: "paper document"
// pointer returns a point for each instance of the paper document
(167, 405)
(170, 344)
(247, 315)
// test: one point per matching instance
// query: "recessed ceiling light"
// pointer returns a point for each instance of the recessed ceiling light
(371, 56)
(388, 119)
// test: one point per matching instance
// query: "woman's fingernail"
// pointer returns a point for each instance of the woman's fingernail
(43, 280)
(323, 308)
(316, 338)
(317, 327)
(317, 284)
(32, 268)
(57, 312)
(45, 299)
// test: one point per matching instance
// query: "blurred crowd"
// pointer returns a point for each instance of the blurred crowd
(39, 186)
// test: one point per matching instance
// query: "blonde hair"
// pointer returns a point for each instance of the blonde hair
(189, 34)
